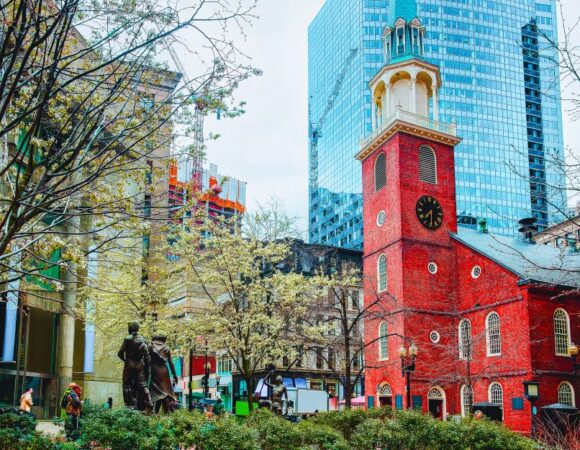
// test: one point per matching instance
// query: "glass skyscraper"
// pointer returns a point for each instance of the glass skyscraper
(497, 85)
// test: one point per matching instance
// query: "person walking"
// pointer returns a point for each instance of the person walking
(26, 402)
(72, 404)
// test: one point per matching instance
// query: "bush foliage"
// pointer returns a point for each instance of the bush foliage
(122, 429)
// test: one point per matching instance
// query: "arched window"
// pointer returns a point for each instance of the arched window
(496, 395)
(380, 171)
(383, 341)
(561, 332)
(465, 339)
(385, 395)
(466, 400)
(566, 394)
(427, 165)
(493, 334)
(382, 273)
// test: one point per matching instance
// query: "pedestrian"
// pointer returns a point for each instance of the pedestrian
(26, 402)
(72, 404)
(218, 408)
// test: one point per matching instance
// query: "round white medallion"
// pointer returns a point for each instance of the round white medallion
(434, 336)
(381, 217)
(475, 272)
(432, 268)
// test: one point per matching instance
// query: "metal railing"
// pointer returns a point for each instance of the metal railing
(414, 119)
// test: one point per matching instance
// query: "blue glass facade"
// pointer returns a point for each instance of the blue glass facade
(488, 77)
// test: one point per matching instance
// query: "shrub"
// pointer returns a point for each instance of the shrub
(226, 433)
(347, 420)
(121, 429)
(415, 431)
(23, 422)
(273, 432)
(320, 437)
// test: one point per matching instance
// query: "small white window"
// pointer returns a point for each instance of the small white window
(380, 171)
(566, 394)
(381, 218)
(382, 273)
(561, 332)
(383, 341)
(465, 349)
(466, 400)
(432, 268)
(475, 272)
(496, 395)
(493, 334)
(434, 337)
(427, 165)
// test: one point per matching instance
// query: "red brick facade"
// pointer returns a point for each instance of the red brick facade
(417, 302)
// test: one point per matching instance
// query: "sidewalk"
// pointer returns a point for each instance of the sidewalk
(48, 427)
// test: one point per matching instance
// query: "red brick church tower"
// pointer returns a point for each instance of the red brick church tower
(477, 310)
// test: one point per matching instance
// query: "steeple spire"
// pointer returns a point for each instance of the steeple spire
(401, 9)
(404, 37)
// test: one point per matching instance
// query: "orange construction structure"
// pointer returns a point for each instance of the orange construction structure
(219, 195)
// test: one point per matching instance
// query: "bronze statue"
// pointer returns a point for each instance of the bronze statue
(135, 354)
(278, 391)
(160, 386)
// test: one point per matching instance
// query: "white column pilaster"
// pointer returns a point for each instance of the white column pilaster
(374, 113)
(414, 95)
(388, 108)
(435, 102)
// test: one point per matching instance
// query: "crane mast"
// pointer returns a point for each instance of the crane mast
(315, 129)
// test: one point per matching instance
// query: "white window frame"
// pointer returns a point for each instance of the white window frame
(488, 336)
(567, 324)
(383, 341)
(572, 393)
(490, 396)
(381, 287)
(462, 354)
(464, 387)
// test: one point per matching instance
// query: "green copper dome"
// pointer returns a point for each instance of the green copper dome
(406, 9)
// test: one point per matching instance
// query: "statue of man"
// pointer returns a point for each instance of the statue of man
(278, 391)
(135, 354)
(160, 386)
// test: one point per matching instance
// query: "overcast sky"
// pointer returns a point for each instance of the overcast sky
(268, 146)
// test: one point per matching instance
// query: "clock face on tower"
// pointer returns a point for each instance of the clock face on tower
(429, 212)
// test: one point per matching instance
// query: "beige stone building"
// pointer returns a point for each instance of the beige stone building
(564, 234)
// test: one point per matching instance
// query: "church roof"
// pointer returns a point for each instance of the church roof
(405, 9)
(530, 262)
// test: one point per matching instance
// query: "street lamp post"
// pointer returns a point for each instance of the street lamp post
(207, 367)
(573, 352)
(190, 396)
(532, 393)
(408, 358)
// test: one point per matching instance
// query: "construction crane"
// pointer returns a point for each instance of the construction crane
(315, 129)
(201, 103)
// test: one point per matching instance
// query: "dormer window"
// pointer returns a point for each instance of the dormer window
(415, 40)
(387, 43)
(400, 36)
(400, 40)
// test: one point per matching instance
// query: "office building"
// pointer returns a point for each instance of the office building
(498, 86)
